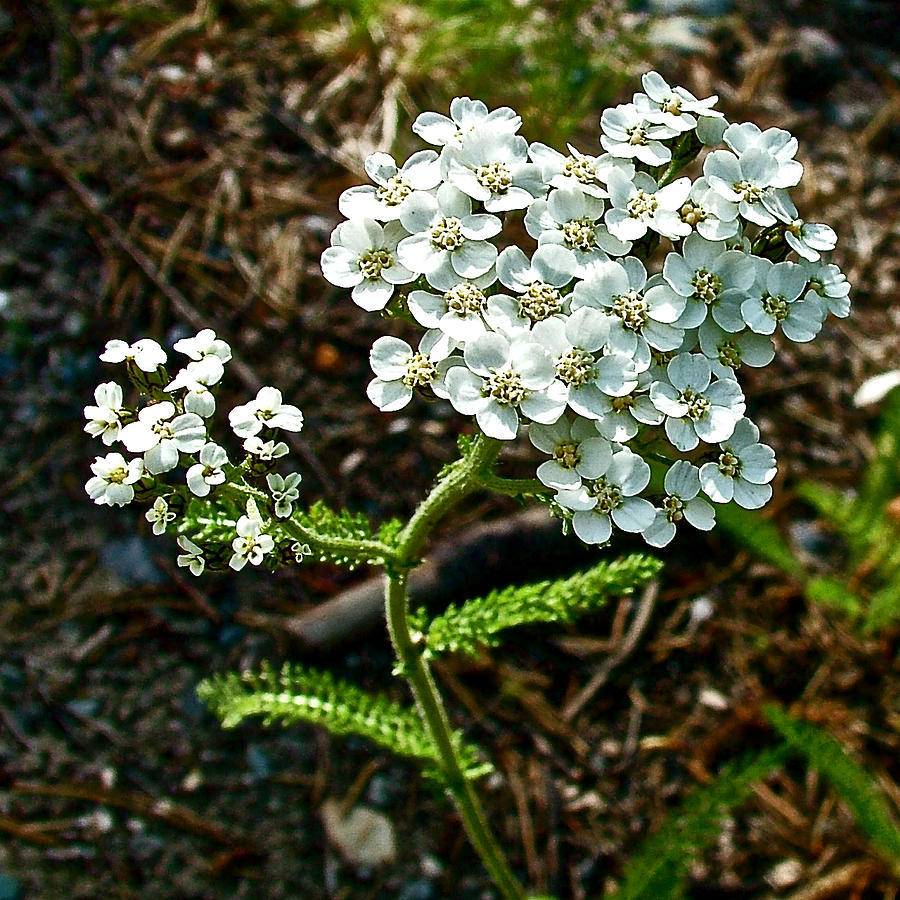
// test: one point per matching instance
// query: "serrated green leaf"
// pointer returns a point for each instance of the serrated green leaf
(478, 622)
(857, 787)
(659, 868)
(300, 694)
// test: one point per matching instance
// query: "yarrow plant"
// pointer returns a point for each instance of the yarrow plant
(615, 339)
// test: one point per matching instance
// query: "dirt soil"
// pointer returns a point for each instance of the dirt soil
(162, 173)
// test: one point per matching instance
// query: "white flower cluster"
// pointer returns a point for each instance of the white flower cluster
(576, 339)
(170, 434)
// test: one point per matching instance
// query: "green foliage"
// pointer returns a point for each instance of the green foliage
(558, 60)
(477, 623)
(857, 787)
(345, 538)
(299, 694)
(659, 867)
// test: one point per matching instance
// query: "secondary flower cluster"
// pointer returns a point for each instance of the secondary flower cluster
(610, 357)
(169, 436)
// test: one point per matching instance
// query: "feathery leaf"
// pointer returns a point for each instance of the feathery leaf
(478, 622)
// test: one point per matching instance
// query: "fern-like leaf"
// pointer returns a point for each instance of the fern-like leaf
(299, 694)
(856, 786)
(660, 867)
(477, 623)
(345, 538)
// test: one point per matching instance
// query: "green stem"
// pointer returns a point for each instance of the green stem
(463, 478)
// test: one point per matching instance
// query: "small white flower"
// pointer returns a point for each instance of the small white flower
(458, 312)
(573, 219)
(574, 344)
(383, 202)
(195, 379)
(192, 557)
(284, 492)
(113, 479)
(363, 255)
(162, 436)
(493, 169)
(537, 281)
(742, 470)
(159, 515)
(621, 417)
(708, 213)
(466, 117)
(629, 135)
(714, 280)
(777, 142)
(447, 241)
(105, 419)
(673, 107)
(775, 301)
(748, 181)
(265, 450)
(696, 410)
(207, 473)
(501, 377)
(831, 285)
(611, 498)
(640, 319)
(577, 170)
(266, 411)
(809, 240)
(147, 355)
(728, 352)
(203, 345)
(639, 206)
(576, 452)
(300, 551)
(399, 370)
(251, 545)
(681, 502)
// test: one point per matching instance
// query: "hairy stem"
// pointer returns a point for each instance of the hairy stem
(463, 478)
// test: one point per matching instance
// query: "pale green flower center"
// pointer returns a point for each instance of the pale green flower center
(795, 228)
(692, 214)
(580, 168)
(447, 234)
(729, 464)
(580, 234)
(505, 387)
(776, 307)
(373, 261)
(540, 301)
(622, 404)
(163, 429)
(576, 367)
(465, 299)
(420, 370)
(707, 286)
(748, 192)
(394, 192)
(673, 507)
(116, 476)
(697, 404)
(641, 204)
(609, 496)
(636, 135)
(661, 357)
(671, 105)
(567, 455)
(631, 308)
(729, 354)
(495, 177)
